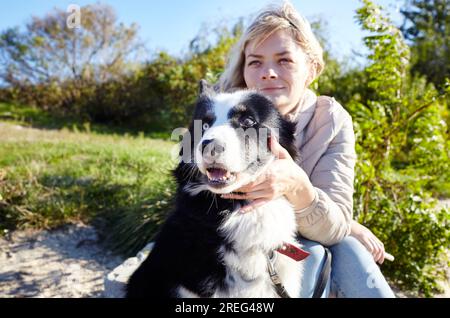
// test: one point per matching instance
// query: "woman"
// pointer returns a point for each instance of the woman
(279, 56)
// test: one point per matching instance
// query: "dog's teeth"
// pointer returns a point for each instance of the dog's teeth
(222, 178)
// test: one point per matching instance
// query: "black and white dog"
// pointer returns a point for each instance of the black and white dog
(206, 247)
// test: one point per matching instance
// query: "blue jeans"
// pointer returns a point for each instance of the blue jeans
(354, 273)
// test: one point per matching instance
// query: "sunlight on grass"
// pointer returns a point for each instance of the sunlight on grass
(50, 177)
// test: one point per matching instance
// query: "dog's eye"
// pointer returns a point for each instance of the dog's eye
(248, 122)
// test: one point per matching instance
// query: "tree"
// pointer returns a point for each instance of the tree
(49, 52)
(427, 26)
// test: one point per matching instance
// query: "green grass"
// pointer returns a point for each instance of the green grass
(51, 177)
(29, 116)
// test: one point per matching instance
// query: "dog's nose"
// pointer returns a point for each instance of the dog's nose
(219, 147)
(215, 147)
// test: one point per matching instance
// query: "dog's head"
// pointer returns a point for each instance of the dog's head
(233, 147)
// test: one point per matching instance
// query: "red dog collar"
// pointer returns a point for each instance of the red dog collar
(293, 252)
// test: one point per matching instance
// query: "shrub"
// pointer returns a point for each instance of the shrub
(401, 143)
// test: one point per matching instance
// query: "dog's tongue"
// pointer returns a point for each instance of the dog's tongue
(216, 173)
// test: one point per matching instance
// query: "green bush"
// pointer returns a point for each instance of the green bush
(402, 149)
(157, 96)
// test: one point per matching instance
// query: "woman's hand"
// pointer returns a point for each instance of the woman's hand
(369, 240)
(282, 177)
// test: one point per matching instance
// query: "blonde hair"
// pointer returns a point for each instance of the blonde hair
(269, 21)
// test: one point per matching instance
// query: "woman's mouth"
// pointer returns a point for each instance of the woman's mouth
(270, 89)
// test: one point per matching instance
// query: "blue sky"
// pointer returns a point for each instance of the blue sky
(171, 24)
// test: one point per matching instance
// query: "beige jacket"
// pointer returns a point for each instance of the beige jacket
(326, 141)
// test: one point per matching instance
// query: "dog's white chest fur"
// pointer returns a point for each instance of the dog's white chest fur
(254, 236)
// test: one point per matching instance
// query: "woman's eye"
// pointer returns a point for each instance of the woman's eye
(254, 63)
(284, 61)
(248, 122)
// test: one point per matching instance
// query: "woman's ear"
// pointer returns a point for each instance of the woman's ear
(311, 74)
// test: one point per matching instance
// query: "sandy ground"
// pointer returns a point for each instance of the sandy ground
(67, 263)
(64, 263)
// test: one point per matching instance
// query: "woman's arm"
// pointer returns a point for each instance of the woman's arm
(328, 219)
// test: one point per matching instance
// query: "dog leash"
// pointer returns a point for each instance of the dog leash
(291, 251)
(324, 275)
(322, 281)
(279, 287)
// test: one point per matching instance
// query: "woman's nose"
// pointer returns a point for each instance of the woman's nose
(269, 73)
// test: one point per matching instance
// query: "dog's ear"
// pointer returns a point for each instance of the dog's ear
(205, 88)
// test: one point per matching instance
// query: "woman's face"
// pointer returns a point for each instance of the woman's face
(278, 68)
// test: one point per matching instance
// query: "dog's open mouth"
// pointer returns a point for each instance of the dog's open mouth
(218, 176)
